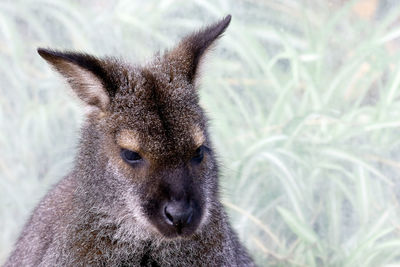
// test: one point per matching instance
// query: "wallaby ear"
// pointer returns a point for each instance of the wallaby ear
(84, 73)
(185, 57)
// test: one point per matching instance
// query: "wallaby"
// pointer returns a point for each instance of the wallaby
(144, 187)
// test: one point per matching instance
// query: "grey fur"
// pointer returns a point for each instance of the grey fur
(95, 215)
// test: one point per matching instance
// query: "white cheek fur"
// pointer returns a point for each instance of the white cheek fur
(132, 220)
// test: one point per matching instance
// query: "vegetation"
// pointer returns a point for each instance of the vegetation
(305, 105)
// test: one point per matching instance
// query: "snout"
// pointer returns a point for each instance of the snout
(175, 218)
(179, 217)
(178, 214)
(177, 203)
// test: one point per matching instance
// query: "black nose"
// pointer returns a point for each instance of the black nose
(178, 213)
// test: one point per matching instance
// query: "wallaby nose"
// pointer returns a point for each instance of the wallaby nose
(178, 213)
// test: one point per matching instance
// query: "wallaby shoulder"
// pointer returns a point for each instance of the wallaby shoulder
(45, 222)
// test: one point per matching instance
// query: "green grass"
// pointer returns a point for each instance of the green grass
(305, 107)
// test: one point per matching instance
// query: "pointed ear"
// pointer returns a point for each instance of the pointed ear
(85, 74)
(185, 57)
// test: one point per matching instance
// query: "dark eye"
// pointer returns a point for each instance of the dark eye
(199, 155)
(129, 156)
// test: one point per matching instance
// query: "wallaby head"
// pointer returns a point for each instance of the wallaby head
(146, 136)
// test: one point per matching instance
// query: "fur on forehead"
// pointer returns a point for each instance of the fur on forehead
(155, 85)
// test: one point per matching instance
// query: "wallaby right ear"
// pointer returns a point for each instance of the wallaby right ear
(186, 56)
(85, 74)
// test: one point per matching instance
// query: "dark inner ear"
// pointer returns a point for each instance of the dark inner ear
(85, 61)
(186, 56)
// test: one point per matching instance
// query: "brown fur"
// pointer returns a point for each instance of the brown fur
(109, 212)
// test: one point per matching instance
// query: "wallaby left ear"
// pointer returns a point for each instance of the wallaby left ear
(85, 74)
(185, 57)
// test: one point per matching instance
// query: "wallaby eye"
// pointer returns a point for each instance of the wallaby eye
(129, 156)
(199, 155)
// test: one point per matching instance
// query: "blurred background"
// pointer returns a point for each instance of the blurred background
(304, 101)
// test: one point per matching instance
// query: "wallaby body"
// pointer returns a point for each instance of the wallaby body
(144, 188)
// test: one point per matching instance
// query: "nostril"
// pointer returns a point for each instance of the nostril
(189, 219)
(170, 219)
